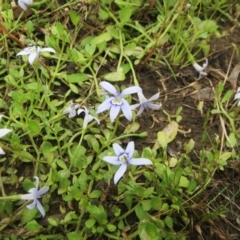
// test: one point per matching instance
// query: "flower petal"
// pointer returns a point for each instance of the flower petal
(134, 106)
(126, 109)
(33, 57)
(140, 110)
(48, 49)
(4, 131)
(105, 105)
(205, 64)
(1, 151)
(130, 90)
(109, 87)
(139, 161)
(203, 73)
(117, 149)
(141, 97)
(114, 111)
(112, 159)
(237, 96)
(198, 67)
(120, 172)
(154, 97)
(37, 182)
(130, 149)
(40, 208)
(22, 5)
(32, 205)
(42, 191)
(154, 106)
(25, 51)
(27, 197)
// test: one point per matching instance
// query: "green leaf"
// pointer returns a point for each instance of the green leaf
(61, 164)
(171, 131)
(103, 15)
(189, 147)
(169, 222)
(156, 203)
(28, 215)
(33, 226)
(128, 201)
(111, 227)
(46, 150)
(73, 88)
(231, 140)
(74, 236)
(177, 177)
(74, 18)
(53, 221)
(162, 139)
(227, 96)
(76, 77)
(104, 37)
(114, 76)
(141, 214)
(90, 48)
(192, 186)
(184, 182)
(132, 128)
(146, 205)
(34, 126)
(95, 194)
(90, 223)
(125, 15)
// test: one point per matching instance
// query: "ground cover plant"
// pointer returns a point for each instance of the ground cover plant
(119, 119)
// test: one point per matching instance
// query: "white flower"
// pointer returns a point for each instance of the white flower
(34, 52)
(87, 118)
(71, 110)
(124, 158)
(146, 103)
(34, 194)
(201, 69)
(237, 97)
(117, 101)
(24, 4)
(3, 132)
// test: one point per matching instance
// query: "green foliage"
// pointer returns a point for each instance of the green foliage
(149, 202)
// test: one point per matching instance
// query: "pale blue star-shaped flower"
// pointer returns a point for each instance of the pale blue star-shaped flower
(117, 101)
(124, 158)
(87, 118)
(34, 194)
(145, 103)
(201, 69)
(237, 97)
(34, 53)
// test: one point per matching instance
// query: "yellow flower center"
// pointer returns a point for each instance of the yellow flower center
(117, 101)
(123, 158)
(32, 49)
